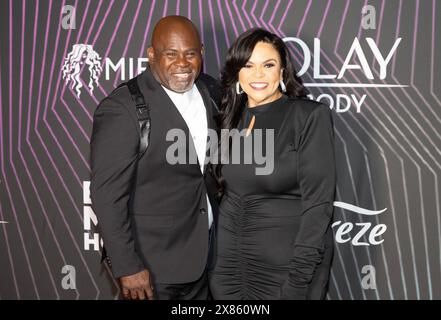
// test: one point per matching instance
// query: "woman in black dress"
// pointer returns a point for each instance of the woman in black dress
(274, 239)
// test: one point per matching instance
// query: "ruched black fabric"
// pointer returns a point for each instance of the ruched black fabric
(274, 239)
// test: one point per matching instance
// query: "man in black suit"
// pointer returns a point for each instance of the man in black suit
(156, 217)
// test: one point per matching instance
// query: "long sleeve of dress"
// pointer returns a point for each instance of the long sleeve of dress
(316, 174)
(114, 151)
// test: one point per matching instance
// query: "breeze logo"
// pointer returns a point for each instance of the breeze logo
(344, 231)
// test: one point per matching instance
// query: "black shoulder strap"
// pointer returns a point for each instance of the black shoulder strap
(142, 113)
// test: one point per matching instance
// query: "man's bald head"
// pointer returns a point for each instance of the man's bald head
(175, 55)
(173, 24)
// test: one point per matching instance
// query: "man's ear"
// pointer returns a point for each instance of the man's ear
(202, 50)
(151, 54)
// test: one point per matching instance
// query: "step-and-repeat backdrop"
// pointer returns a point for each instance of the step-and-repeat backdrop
(375, 63)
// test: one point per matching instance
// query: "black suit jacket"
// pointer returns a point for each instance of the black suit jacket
(151, 214)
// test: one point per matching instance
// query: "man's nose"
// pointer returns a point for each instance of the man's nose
(182, 60)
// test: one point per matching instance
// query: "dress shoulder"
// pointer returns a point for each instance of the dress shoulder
(303, 111)
(303, 108)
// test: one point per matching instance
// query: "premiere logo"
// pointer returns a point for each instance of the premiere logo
(82, 55)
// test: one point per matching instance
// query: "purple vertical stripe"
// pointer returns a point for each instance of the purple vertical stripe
(213, 30)
(164, 12)
(397, 32)
(23, 243)
(135, 19)
(2, 161)
(147, 28)
(236, 33)
(224, 27)
(304, 18)
(328, 5)
(189, 9)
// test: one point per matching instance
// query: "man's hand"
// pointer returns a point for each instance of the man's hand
(137, 286)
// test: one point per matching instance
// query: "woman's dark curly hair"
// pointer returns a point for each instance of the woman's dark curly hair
(232, 104)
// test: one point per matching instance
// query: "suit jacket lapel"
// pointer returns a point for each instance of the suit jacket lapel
(157, 96)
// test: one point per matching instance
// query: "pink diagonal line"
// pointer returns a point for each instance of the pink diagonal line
(261, 18)
(432, 59)
(49, 127)
(38, 112)
(415, 32)
(189, 9)
(59, 119)
(345, 12)
(328, 5)
(304, 17)
(109, 8)
(112, 39)
(377, 38)
(31, 89)
(401, 133)
(397, 32)
(244, 11)
(16, 174)
(213, 30)
(74, 118)
(414, 41)
(164, 12)
(239, 16)
(284, 14)
(86, 111)
(56, 90)
(178, 5)
(147, 28)
(97, 10)
(135, 19)
(252, 13)
(439, 103)
(39, 136)
(52, 193)
(11, 262)
(201, 22)
(383, 81)
(223, 24)
(360, 26)
(230, 14)
(5, 231)
(418, 109)
(276, 7)
(23, 243)
(50, 157)
(335, 51)
(31, 82)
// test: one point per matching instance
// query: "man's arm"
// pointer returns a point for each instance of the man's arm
(114, 152)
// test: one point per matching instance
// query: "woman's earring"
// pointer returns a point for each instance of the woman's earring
(238, 91)
(282, 85)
